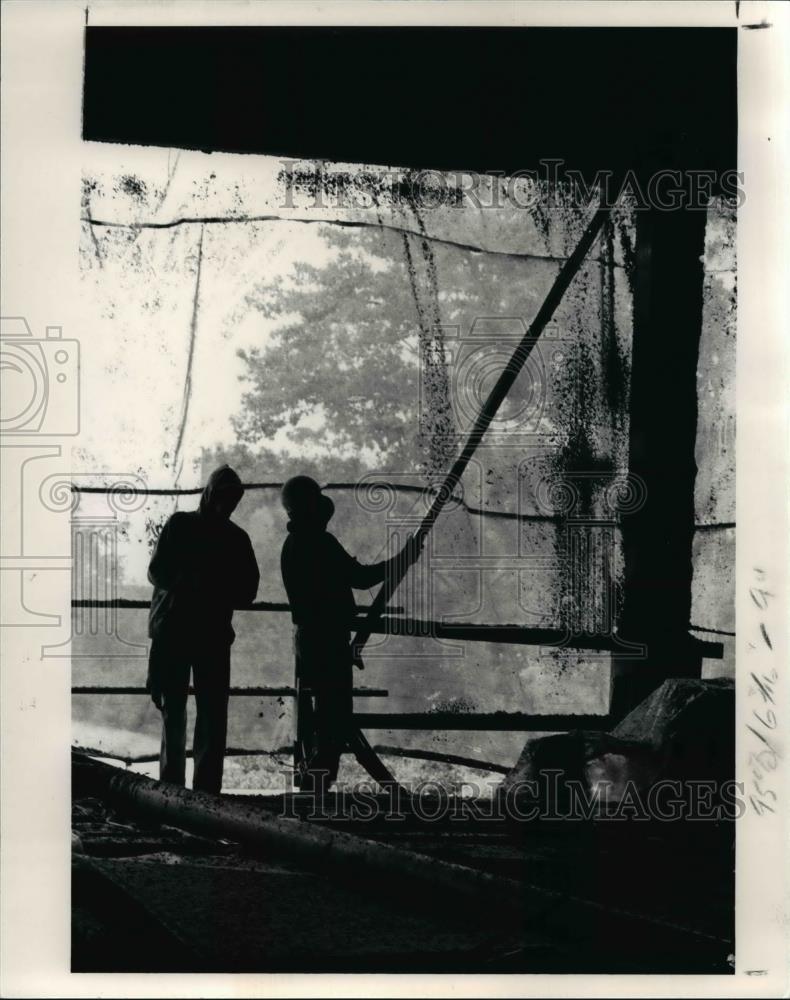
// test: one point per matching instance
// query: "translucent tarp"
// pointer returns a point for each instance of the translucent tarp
(295, 318)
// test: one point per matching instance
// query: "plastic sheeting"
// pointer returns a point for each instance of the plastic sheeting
(337, 320)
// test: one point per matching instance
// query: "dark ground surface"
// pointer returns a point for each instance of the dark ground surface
(599, 897)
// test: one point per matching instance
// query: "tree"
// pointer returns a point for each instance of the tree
(340, 373)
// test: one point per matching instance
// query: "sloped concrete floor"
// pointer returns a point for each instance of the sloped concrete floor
(257, 916)
(157, 899)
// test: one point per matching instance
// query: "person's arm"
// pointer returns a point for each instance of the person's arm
(248, 575)
(366, 576)
(165, 570)
(361, 577)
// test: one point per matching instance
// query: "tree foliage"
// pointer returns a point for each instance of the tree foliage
(339, 372)
(337, 382)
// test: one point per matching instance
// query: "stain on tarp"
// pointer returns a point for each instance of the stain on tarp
(625, 231)
(591, 413)
(90, 186)
(615, 366)
(133, 186)
(364, 188)
(437, 426)
(453, 706)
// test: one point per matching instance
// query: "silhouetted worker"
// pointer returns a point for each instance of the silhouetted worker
(319, 575)
(203, 568)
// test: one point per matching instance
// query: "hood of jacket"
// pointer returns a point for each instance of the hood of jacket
(223, 478)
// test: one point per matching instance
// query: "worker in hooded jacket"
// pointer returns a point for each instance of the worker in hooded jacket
(203, 568)
(318, 575)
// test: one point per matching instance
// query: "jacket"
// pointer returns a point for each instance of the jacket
(203, 567)
(319, 575)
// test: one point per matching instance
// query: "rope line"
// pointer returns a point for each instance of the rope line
(397, 487)
(213, 220)
(178, 460)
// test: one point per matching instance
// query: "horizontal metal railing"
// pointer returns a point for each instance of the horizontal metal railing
(512, 634)
(489, 722)
(127, 603)
(287, 751)
(238, 692)
(431, 720)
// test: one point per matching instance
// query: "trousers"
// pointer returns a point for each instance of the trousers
(326, 708)
(172, 663)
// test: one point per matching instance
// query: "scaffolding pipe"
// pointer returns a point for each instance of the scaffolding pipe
(337, 853)
(240, 692)
(412, 878)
